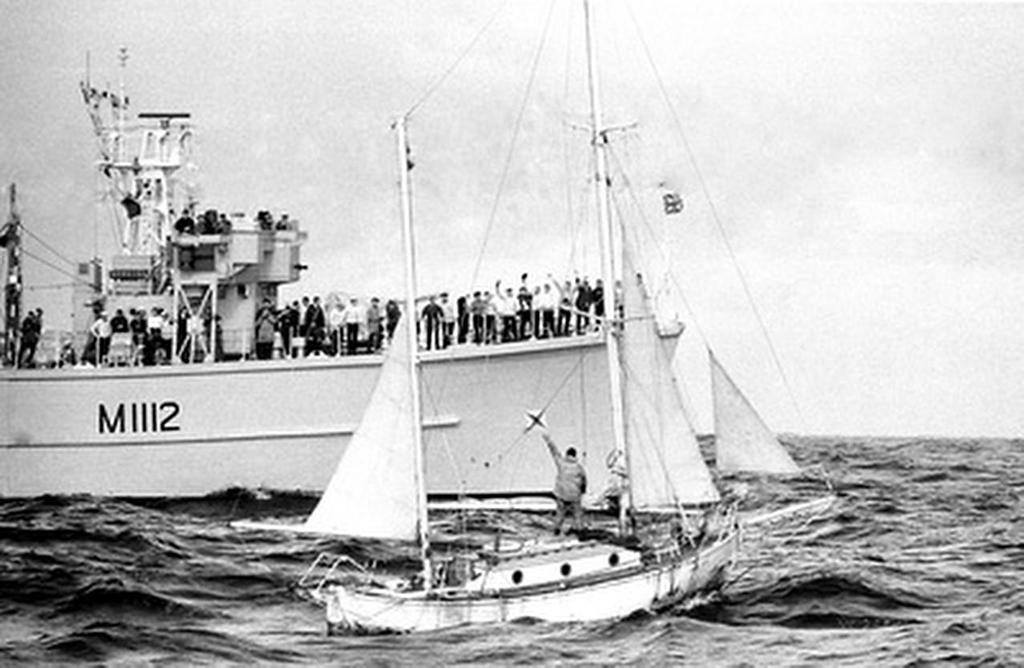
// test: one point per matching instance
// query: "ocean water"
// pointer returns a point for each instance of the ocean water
(920, 563)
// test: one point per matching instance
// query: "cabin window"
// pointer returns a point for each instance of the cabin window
(613, 559)
(566, 570)
(517, 577)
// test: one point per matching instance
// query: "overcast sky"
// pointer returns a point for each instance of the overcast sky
(865, 161)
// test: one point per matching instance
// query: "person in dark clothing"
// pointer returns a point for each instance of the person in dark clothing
(462, 319)
(477, 309)
(391, 313)
(119, 323)
(138, 326)
(582, 306)
(433, 319)
(288, 324)
(525, 299)
(597, 299)
(31, 328)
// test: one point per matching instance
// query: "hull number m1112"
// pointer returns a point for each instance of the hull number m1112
(139, 417)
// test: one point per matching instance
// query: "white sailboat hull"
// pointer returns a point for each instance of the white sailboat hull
(649, 587)
(191, 430)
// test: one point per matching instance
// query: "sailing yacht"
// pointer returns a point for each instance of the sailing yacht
(677, 535)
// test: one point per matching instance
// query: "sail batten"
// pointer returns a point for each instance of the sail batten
(372, 493)
(666, 468)
(743, 442)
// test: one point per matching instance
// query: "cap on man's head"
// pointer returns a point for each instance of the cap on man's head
(570, 451)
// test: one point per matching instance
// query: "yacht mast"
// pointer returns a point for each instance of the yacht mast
(404, 166)
(599, 140)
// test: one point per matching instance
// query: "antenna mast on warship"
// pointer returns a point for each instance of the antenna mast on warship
(10, 238)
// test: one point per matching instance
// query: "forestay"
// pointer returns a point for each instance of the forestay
(743, 442)
(665, 465)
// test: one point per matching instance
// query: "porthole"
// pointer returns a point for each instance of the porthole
(517, 577)
(566, 570)
(613, 559)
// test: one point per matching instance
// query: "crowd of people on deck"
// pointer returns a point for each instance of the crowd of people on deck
(351, 326)
(212, 221)
(549, 309)
(483, 317)
(308, 327)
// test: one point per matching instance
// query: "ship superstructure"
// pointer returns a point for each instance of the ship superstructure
(206, 270)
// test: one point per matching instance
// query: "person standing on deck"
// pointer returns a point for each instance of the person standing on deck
(570, 483)
(433, 319)
(448, 333)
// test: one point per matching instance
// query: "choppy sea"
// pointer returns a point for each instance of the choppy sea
(921, 562)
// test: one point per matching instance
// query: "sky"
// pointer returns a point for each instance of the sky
(861, 166)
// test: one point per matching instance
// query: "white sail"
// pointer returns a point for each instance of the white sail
(743, 442)
(373, 491)
(665, 464)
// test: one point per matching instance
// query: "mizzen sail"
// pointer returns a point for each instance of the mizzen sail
(373, 491)
(743, 442)
(665, 465)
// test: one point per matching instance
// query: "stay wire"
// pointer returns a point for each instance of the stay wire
(508, 160)
(432, 88)
(650, 230)
(51, 265)
(45, 245)
(506, 168)
(717, 218)
(551, 399)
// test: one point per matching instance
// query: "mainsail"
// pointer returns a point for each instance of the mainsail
(665, 465)
(373, 491)
(743, 442)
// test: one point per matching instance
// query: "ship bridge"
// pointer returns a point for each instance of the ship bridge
(222, 271)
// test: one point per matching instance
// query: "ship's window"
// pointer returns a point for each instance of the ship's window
(613, 559)
(566, 570)
(517, 577)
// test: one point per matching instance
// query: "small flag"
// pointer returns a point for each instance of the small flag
(673, 203)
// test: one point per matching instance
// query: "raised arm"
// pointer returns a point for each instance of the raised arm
(552, 448)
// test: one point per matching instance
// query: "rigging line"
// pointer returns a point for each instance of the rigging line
(51, 286)
(566, 135)
(544, 408)
(432, 88)
(74, 278)
(508, 161)
(650, 229)
(445, 443)
(506, 168)
(46, 245)
(717, 219)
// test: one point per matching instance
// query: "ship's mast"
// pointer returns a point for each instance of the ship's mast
(11, 239)
(140, 157)
(122, 57)
(408, 243)
(599, 141)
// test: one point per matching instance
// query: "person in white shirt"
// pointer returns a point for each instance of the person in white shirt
(505, 305)
(355, 323)
(546, 302)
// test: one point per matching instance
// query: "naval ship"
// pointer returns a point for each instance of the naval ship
(212, 417)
